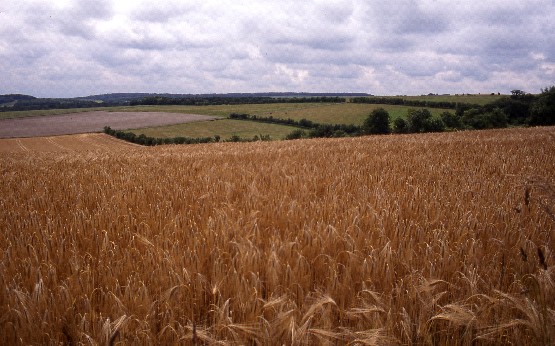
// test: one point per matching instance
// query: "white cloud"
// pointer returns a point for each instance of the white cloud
(80, 47)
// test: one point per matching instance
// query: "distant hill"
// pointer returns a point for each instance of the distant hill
(18, 102)
(9, 100)
(122, 97)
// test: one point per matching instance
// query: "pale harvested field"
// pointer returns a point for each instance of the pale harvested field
(432, 239)
(53, 125)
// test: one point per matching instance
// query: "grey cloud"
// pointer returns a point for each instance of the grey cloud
(169, 11)
(405, 17)
(404, 46)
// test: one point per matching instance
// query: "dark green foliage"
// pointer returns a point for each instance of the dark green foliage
(231, 100)
(417, 120)
(234, 138)
(497, 118)
(480, 120)
(297, 134)
(30, 103)
(149, 141)
(339, 134)
(420, 120)
(516, 107)
(322, 131)
(400, 126)
(14, 97)
(336, 130)
(316, 130)
(435, 125)
(304, 123)
(542, 111)
(377, 122)
(451, 121)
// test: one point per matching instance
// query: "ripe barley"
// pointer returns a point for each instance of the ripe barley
(396, 239)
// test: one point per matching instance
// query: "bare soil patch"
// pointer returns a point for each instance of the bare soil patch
(74, 123)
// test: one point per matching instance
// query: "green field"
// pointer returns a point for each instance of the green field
(479, 99)
(225, 128)
(325, 113)
(340, 113)
(45, 112)
(334, 113)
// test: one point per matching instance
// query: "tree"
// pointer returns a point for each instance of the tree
(400, 126)
(479, 119)
(451, 120)
(542, 111)
(418, 119)
(377, 122)
(296, 134)
(517, 93)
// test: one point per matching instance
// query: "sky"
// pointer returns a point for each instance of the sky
(69, 48)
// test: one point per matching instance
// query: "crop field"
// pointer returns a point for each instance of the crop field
(341, 113)
(86, 142)
(480, 99)
(444, 239)
(90, 122)
(326, 113)
(224, 128)
(188, 121)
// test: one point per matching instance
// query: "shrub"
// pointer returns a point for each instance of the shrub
(377, 122)
(400, 126)
(543, 109)
(451, 120)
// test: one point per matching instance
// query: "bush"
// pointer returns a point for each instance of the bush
(542, 111)
(297, 134)
(480, 120)
(377, 122)
(400, 126)
(235, 138)
(451, 120)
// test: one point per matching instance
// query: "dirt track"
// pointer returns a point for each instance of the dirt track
(90, 122)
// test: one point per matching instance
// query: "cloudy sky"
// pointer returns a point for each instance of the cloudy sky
(66, 48)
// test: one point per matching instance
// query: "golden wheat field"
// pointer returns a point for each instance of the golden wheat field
(443, 239)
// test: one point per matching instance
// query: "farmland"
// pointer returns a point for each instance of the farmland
(341, 113)
(89, 122)
(189, 121)
(410, 239)
(86, 142)
(225, 128)
(480, 99)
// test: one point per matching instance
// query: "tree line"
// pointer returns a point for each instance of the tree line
(219, 100)
(142, 139)
(519, 109)
(31, 103)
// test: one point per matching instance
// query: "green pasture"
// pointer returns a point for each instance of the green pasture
(324, 113)
(341, 113)
(479, 99)
(225, 128)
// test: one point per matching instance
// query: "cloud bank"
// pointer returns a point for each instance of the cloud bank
(66, 48)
